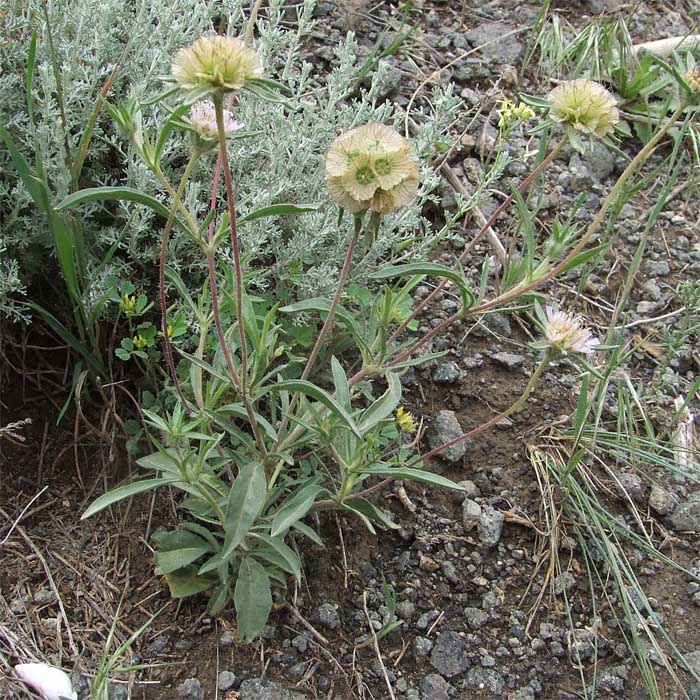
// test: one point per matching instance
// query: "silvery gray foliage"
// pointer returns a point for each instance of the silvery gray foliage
(281, 162)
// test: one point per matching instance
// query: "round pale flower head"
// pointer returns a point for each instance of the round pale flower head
(585, 107)
(203, 121)
(372, 167)
(566, 333)
(221, 63)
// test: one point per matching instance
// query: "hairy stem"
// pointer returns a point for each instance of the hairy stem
(238, 273)
(592, 229)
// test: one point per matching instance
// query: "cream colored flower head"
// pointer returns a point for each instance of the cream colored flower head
(372, 167)
(585, 107)
(566, 333)
(203, 121)
(218, 62)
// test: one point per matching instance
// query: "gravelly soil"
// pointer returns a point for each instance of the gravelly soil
(463, 569)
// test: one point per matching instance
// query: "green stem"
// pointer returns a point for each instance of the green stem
(327, 325)
(177, 197)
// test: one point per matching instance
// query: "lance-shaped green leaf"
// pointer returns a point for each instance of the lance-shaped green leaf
(178, 549)
(428, 268)
(252, 598)
(408, 474)
(294, 509)
(123, 492)
(289, 558)
(186, 582)
(384, 406)
(246, 498)
(315, 392)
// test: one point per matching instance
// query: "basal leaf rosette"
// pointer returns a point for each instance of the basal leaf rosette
(372, 168)
(585, 108)
(219, 63)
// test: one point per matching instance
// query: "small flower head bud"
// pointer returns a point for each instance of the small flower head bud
(584, 107)
(566, 333)
(221, 63)
(139, 342)
(405, 421)
(692, 81)
(203, 122)
(371, 167)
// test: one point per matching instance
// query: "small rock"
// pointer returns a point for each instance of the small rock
(259, 689)
(686, 517)
(661, 501)
(446, 427)
(422, 646)
(226, 680)
(327, 615)
(489, 38)
(428, 565)
(599, 161)
(227, 639)
(446, 373)
(471, 513)
(490, 526)
(631, 485)
(405, 609)
(486, 679)
(190, 689)
(508, 359)
(118, 691)
(427, 619)
(449, 655)
(434, 687)
(657, 268)
(476, 618)
(44, 596)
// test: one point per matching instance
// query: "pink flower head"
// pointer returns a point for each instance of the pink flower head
(203, 120)
(566, 332)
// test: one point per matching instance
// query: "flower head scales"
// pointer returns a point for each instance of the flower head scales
(221, 63)
(371, 167)
(566, 333)
(585, 107)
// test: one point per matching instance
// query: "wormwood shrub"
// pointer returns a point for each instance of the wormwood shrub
(259, 432)
(84, 46)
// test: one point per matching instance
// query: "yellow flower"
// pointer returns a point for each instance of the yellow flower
(509, 114)
(405, 421)
(371, 167)
(128, 304)
(585, 107)
(217, 62)
(139, 342)
(169, 330)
